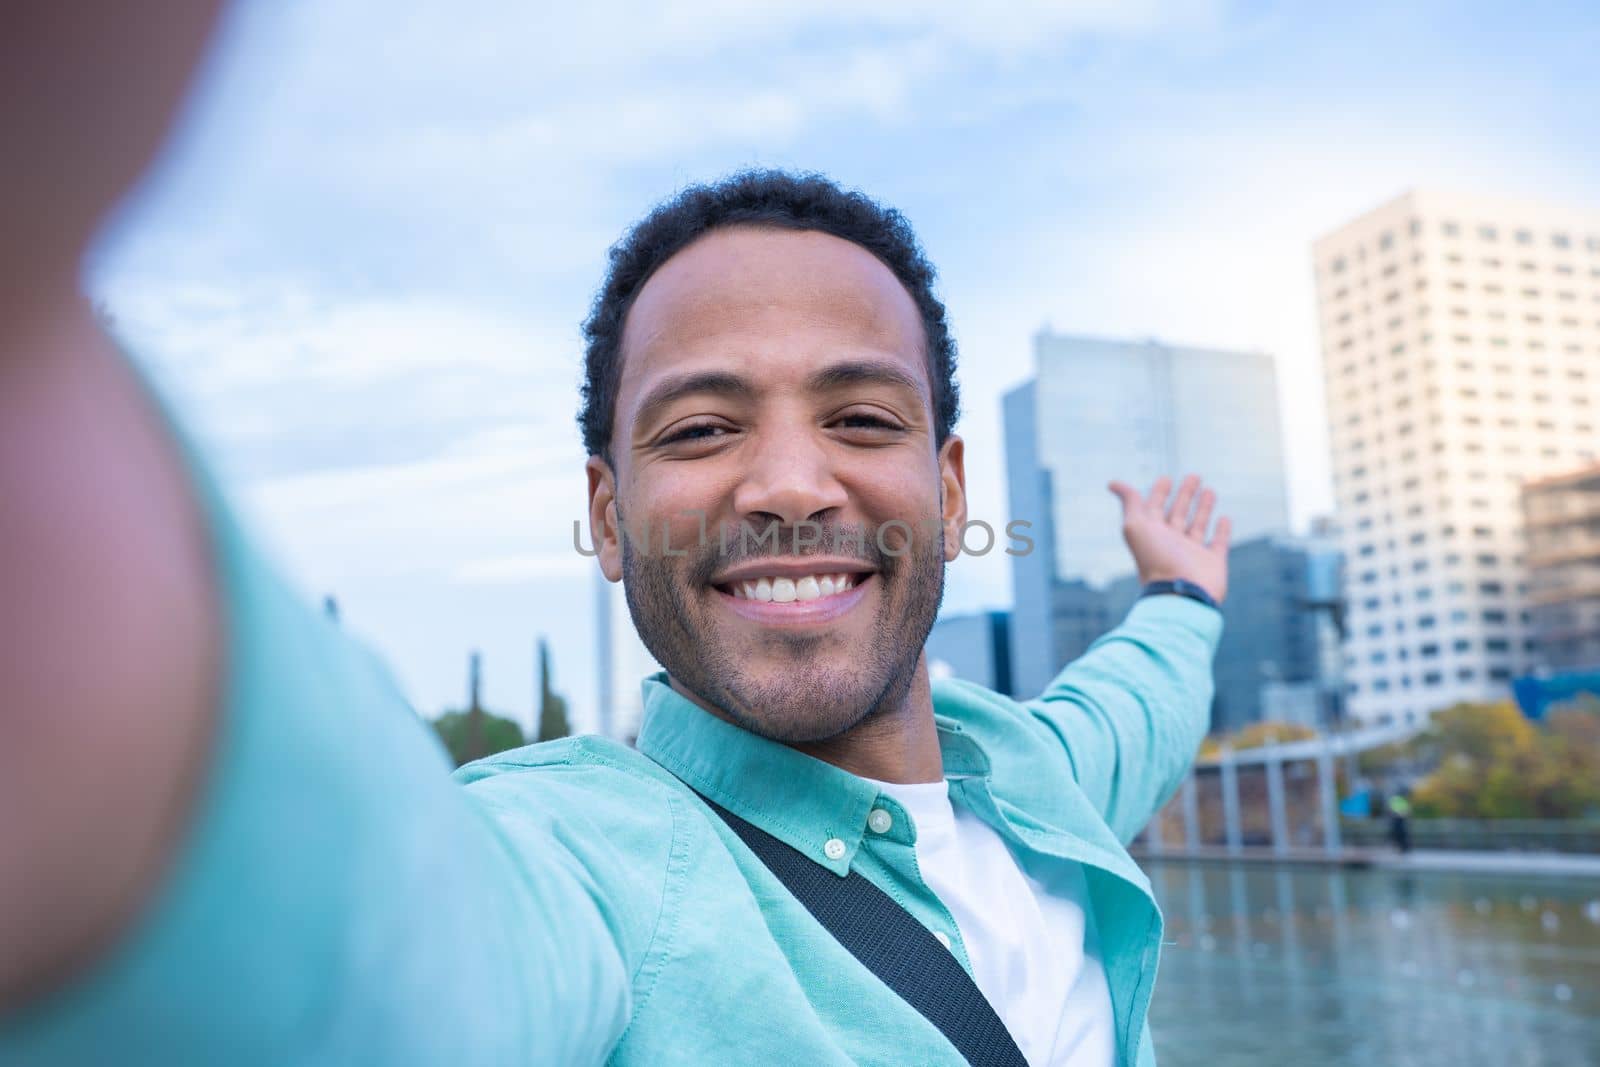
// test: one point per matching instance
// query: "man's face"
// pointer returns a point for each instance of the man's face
(774, 385)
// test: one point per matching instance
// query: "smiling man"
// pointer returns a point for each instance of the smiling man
(226, 839)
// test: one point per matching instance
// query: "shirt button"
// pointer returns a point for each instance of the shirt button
(943, 938)
(879, 821)
(834, 849)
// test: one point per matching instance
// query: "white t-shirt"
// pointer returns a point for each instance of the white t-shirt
(1034, 952)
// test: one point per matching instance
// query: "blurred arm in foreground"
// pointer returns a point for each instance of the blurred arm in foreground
(110, 640)
(185, 744)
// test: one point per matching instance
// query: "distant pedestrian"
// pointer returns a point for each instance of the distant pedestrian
(1400, 822)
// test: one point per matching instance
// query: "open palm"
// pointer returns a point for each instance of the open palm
(1166, 533)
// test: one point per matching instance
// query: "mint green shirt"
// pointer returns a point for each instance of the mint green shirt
(339, 899)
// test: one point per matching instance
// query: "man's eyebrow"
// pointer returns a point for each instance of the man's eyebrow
(717, 383)
(864, 372)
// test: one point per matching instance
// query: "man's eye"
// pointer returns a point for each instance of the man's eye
(861, 420)
(703, 432)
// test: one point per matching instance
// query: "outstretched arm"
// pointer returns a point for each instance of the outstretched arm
(1132, 710)
(109, 653)
(224, 837)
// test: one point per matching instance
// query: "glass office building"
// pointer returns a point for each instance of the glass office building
(1099, 409)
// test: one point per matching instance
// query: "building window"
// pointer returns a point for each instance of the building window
(1461, 644)
(1425, 622)
(1499, 674)
(1496, 644)
(1432, 678)
(1466, 674)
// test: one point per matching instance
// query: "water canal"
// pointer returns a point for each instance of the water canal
(1311, 966)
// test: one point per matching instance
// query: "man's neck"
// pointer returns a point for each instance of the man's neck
(898, 742)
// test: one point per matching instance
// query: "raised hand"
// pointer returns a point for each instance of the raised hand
(1168, 542)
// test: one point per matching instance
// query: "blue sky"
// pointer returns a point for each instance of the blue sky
(361, 267)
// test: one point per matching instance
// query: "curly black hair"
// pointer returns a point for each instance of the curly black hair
(777, 198)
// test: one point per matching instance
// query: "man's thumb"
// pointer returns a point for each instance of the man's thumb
(1127, 494)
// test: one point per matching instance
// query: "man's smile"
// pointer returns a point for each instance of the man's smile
(800, 592)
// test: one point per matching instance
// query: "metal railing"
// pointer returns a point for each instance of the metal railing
(1530, 835)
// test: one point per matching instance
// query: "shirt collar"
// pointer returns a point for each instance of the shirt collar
(799, 799)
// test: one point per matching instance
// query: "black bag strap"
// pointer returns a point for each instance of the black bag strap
(891, 944)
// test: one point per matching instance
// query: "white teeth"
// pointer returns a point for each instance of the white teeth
(790, 590)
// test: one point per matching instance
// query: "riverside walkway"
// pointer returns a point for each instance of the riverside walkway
(1450, 861)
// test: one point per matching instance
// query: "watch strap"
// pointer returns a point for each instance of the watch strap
(1180, 587)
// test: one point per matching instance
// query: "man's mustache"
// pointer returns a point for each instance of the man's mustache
(737, 543)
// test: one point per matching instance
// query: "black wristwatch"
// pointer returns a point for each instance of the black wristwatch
(1180, 587)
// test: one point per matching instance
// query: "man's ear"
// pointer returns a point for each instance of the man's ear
(603, 525)
(953, 494)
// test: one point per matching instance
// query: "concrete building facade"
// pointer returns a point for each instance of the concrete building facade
(1562, 518)
(1461, 358)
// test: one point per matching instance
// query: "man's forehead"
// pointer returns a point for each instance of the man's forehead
(767, 295)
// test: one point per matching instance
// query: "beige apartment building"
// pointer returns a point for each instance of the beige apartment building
(1461, 359)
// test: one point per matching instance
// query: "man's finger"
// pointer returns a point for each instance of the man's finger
(1178, 517)
(1220, 539)
(1202, 516)
(1129, 496)
(1157, 497)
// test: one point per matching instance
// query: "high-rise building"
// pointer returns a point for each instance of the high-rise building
(1461, 357)
(1562, 514)
(1098, 410)
(1279, 654)
(621, 663)
(1280, 624)
(972, 647)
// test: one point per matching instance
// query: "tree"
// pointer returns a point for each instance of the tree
(1257, 735)
(473, 733)
(494, 733)
(1492, 763)
(552, 705)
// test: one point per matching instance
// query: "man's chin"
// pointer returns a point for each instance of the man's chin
(795, 706)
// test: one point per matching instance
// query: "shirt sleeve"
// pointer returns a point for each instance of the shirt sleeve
(1132, 710)
(338, 898)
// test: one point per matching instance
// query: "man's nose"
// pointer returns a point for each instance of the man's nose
(791, 478)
